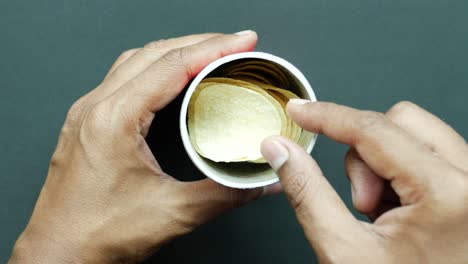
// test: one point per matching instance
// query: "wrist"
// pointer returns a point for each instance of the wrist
(35, 247)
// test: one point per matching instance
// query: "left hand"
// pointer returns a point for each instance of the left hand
(106, 199)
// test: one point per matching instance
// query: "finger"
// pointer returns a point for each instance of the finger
(158, 85)
(372, 195)
(433, 132)
(272, 189)
(144, 57)
(366, 186)
(321, 212)
(386, 148)
(121, 59)
(206, 199)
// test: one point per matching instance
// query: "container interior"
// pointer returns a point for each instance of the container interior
(246, 173)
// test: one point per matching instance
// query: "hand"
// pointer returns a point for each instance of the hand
(106, 199)
(409, 173)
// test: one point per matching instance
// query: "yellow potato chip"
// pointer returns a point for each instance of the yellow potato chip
(296, 130)
(229, 118)
(248, 75)
(227, 122)
(257, 89)
(271, 74)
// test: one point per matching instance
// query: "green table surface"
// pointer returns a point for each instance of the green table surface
(368, 54)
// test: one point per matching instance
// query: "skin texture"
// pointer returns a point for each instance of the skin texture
(409, 173)
(106, 199)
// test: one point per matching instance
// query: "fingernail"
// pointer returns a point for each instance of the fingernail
(275, 153)
(244, 32)
(299, 101)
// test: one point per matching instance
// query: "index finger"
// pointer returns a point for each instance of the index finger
(161, 82)
(386, 148)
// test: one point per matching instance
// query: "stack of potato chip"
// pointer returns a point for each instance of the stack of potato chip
(228, 118)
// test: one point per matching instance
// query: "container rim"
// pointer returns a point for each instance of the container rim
(193, 155)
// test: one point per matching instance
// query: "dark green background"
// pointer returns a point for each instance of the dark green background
(367, 54)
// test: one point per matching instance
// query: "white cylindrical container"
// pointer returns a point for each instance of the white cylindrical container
(244, 175)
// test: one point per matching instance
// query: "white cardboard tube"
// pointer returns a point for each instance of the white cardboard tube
(243, 175)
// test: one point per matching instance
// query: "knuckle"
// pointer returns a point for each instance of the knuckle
(370, 120)
(177, 59)
(61, 155)
(176, 56)
(156, 45)
(56, 160)
(185, 222)
(75, 110)
(98, 111)
(97, 120)
(400, 109)
(180, 215)
(128, 53)
(220, 38)
(404, 105)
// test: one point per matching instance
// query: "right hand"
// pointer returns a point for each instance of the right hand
(409, 173)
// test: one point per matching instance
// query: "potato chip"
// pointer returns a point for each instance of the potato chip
(268, 72)
(296, 131)
(229, 118)
(228, 123)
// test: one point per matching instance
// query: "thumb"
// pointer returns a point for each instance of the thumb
(206, 199)
(321, 212)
